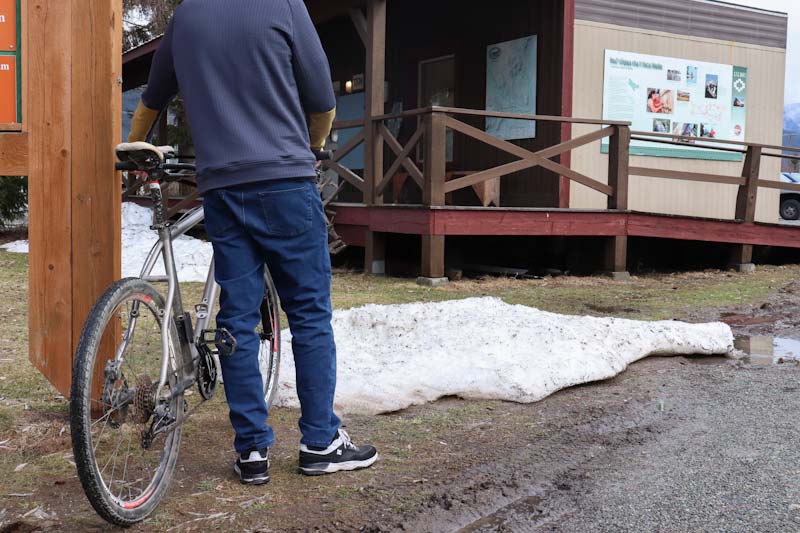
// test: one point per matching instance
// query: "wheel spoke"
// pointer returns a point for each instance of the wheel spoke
(119, 464)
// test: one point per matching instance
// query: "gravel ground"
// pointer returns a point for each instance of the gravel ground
(672, 445)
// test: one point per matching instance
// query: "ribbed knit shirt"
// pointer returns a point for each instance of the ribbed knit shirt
(249, 73)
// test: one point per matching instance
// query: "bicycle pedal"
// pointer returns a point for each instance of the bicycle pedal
(221, 339)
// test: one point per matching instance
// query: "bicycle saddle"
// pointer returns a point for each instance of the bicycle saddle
(144, 155)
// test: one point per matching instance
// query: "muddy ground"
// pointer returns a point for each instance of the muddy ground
(673, 444)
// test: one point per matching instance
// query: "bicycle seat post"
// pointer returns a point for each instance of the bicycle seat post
(159, 210)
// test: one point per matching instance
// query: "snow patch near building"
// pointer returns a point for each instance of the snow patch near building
(394, 356)
(192, 256)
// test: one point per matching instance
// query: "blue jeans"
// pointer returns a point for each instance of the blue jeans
(281, 223)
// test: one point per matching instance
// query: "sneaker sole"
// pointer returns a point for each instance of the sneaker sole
(321, 469)
(260, 480)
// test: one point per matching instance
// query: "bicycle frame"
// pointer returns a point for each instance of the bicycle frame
(173, 308)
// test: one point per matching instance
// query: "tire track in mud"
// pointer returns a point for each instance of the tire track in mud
(537, 483)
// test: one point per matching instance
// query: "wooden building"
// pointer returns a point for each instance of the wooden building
(411, 85)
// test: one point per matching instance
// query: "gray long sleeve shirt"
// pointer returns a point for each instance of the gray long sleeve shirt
(249, 73)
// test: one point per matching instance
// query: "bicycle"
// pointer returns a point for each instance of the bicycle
(140, 354)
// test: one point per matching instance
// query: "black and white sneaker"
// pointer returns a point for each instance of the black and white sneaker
(253, 467)
(341, 455)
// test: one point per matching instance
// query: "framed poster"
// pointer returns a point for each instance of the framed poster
(511, 87)
(669, 95)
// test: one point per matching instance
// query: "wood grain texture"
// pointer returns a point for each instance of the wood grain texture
(96, 129)
(14, 154)
(48, 59)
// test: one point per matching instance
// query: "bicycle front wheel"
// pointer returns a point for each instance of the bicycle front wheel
(124, 463)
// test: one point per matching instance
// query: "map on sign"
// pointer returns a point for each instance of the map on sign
(511, 87)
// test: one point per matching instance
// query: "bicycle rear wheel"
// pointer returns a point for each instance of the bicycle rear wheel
(269, 356)
(124, 468)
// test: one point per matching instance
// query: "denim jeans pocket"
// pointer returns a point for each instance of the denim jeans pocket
(217, 221)
(287, 213)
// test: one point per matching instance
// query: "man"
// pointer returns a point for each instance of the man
(251, 73)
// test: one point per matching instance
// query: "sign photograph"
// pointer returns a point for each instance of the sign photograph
(679, 96)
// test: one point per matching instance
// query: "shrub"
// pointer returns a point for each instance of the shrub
(13, 198)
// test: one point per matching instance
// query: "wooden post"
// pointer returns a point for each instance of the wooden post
(432, 260)
(435, 159)
(567, 79)
(374, 254)
(74, 62)
(746, 199)
(742, 258)
(618, 162)
(616, 253)
(433, 195)
(375, 82)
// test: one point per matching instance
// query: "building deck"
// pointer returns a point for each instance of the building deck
(353, 221)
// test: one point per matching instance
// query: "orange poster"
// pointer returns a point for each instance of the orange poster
(8, 25)
(8, 89)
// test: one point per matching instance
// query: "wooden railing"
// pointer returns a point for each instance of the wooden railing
(431, 130)
(431, 134)
(748, 182)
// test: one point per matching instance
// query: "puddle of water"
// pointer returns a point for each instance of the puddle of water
(757, 350)
(766, 350)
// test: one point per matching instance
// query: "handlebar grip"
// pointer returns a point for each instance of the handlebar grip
(126, 165)
(323, 155)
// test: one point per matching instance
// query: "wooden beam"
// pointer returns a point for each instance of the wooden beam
(402, 158)
(375, 83)
(618, 160)
(349, 146)
(530, 159)
(14, 154)
(616, 254)
(324, 10)
(748, 193)
(96, 109)
(347, 175)
(567, 79)
(433, 191)
(433, 256)
(360, 22)
(685, 176)
(48, 58)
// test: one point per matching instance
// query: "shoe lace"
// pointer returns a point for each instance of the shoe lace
(346, 440)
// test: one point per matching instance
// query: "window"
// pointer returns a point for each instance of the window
(437, 82)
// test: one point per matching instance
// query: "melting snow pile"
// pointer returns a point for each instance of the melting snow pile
(192, 256)
(393, 356)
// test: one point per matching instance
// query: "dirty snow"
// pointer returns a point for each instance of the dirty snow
(393, 356)
(192, 256)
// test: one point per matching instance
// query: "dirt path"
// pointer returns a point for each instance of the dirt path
(673, 444)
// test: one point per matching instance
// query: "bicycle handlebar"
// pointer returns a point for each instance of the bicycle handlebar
(321, 155)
